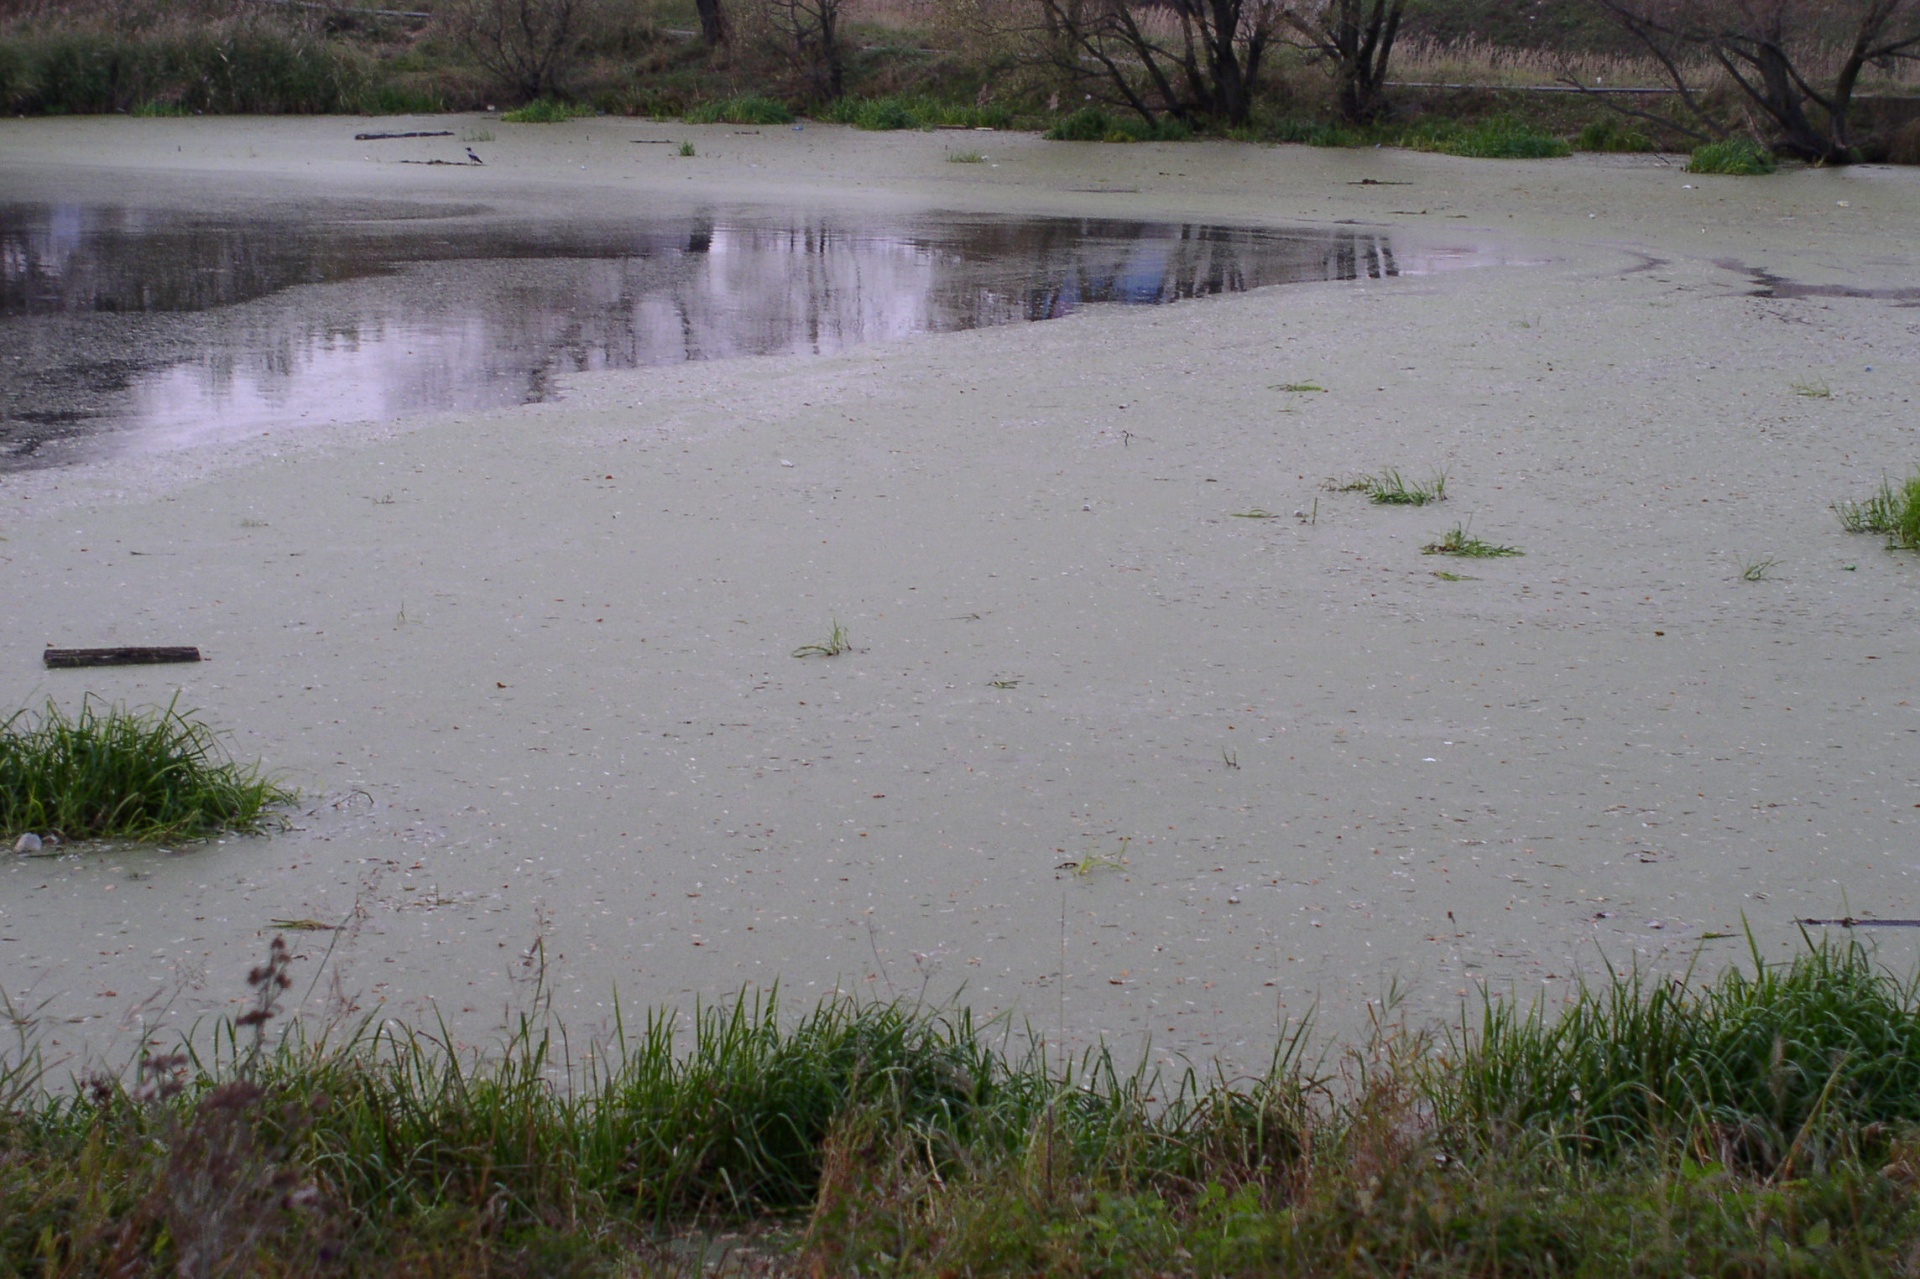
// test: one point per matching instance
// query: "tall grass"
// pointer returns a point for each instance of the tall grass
(107, 771)
(1773, 1069)
(1500, 138)
(231, 67)
(1737, 157)
(1893, 511)
(914, 111)
(1763, 1123)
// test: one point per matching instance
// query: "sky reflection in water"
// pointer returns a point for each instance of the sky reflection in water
(132, 329)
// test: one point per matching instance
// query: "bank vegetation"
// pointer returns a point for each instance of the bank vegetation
(1763, 1122)
(1826, 81)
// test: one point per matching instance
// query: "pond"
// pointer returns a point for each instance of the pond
(131, 329)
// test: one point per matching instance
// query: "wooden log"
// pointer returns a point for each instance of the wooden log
(386, 137)
(63, 657)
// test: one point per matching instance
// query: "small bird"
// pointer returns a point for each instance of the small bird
(471, 156)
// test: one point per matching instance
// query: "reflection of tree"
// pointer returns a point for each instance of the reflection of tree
(492, 315)
(79, 259)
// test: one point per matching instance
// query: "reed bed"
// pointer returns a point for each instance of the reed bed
(1767, 1122)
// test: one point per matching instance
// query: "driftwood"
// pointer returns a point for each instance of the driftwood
(62, 657)
(383, 137)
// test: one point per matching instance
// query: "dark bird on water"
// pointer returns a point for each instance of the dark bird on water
(471, 156)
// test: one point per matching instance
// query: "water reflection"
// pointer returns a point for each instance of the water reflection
(131, 328)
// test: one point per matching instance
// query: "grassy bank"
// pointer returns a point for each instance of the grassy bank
(1767, 1123)
(901, 68)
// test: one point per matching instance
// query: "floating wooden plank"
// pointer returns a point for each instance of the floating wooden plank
(385, 137)
(63, 657)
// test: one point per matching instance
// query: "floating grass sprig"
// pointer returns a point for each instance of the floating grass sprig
(836, 643)
(110, 772)
(1458, 541)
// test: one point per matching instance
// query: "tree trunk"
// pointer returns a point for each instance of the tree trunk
(714, 27)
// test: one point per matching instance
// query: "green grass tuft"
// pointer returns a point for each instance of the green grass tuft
(1464, 544)
(1611, 136)
(836, 643)
(546, 111)
(1893, 512)
(1501, 138)
(1739, 157)
(1390, 488)
(1097, 124)
(108, 772)
(1769, 1071)
(749, 109)
(914, 111)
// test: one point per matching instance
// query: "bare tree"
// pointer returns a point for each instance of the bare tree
(1770, 50)
(1189, 59)
(1355, 40)
(715, 29)
(528, 45)
(807, 34)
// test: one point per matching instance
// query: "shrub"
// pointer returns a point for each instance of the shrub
(1738, 157)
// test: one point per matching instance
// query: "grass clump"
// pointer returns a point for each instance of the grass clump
(1610, 135)
(1097, 124)
(1893, 512)
(1738, 157)
(109, 772)
(748, 109)
(1458, 541)
(914, 111)
(1501, 138)
(546, 111)
(1390, 488)
(1772, 1072)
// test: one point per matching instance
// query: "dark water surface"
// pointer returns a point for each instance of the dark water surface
(126, 329)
